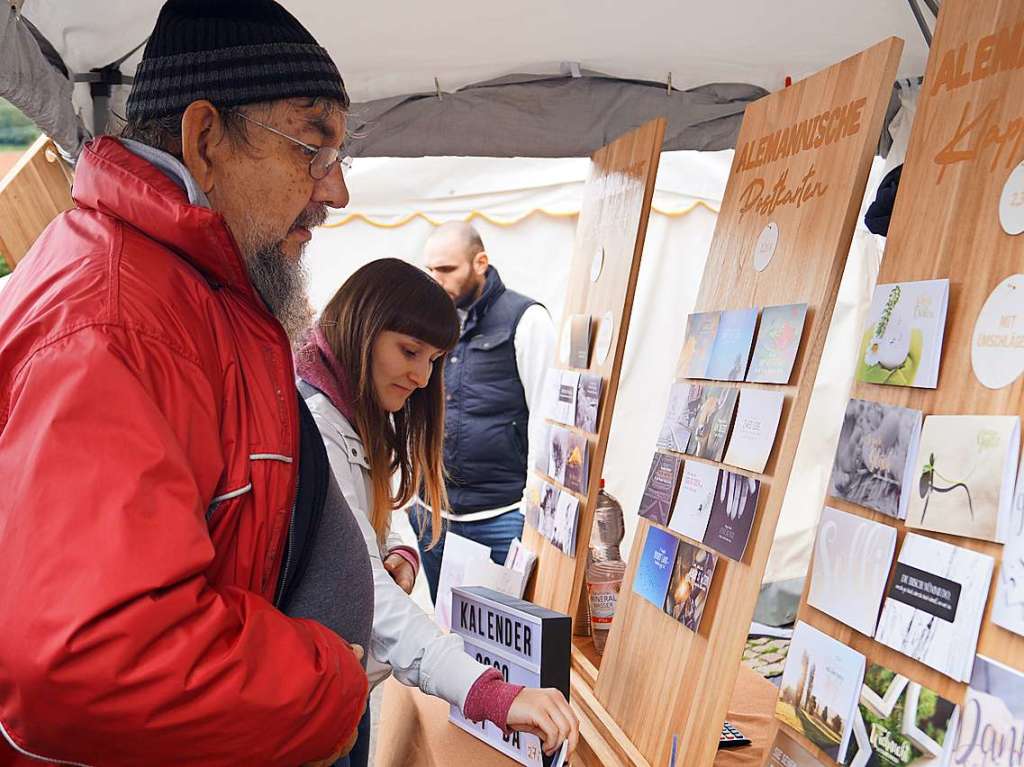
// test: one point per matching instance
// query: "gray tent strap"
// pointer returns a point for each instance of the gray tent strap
(545, 116)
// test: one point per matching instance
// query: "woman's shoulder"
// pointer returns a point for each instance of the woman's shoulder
(325, 413)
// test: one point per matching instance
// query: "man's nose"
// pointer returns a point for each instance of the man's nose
(331, 189)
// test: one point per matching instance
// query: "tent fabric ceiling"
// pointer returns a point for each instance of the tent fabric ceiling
(391, 49)
(394, 57)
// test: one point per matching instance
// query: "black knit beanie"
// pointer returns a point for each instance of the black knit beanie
(230, 52)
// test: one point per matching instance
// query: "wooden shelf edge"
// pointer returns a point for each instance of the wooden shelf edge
(603, 743)
(582, 659)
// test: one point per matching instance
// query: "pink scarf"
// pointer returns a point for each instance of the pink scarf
(316, 365)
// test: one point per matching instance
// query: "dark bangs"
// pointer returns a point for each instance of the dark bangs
(420, 307)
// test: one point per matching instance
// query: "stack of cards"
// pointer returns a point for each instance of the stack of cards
(902, 341)
(852, 557)
(820, 688)
(660, 491)
(732, 514)
(778, 340)
(874, 465)
(900, 723)
(966, 466)
(935, 604)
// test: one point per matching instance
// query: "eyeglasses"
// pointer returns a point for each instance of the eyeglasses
(322, 158)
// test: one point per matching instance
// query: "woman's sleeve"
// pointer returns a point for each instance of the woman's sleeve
(403, 636)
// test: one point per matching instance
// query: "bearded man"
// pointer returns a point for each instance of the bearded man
(161, 477)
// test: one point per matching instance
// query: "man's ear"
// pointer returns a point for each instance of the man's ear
(202, 134)
(480, 262)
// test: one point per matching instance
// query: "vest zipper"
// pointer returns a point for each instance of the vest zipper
(290, 545)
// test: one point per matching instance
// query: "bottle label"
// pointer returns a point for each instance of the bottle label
(603, 599)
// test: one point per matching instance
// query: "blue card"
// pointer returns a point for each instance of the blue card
(655, 569)
(731, 352)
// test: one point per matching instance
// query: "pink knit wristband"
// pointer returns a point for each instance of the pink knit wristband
(408, 555)
(490, 698)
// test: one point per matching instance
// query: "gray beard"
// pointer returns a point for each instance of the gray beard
(281, 283)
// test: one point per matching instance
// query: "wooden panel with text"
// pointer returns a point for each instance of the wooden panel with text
(968, 135)
(31, 196)
(802, 162)
(613, 220)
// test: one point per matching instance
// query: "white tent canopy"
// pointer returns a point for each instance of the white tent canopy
(392, 50)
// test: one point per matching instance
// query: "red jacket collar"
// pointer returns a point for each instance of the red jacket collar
(114, 181)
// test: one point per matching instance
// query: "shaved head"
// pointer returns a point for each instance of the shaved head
(455, 257)
(457, 235)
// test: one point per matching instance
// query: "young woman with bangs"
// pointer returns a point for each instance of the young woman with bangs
(368, 372)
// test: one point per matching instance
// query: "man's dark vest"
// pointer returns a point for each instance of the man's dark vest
(485, 437)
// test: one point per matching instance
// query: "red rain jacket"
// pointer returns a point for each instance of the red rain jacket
(148, 437)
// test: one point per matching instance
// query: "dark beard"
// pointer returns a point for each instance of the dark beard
(280, 281)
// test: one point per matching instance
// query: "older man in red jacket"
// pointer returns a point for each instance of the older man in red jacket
(155, 500)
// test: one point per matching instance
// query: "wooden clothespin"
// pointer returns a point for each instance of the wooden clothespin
(437, 89)
(668, 84)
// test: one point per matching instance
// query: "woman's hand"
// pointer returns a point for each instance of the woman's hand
(546, 714)
(401, 571)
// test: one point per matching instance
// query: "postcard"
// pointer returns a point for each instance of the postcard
(655, 569)
(531, 499)
(753, 433)
(874, 464)
(991, 733)
(588, 402)
(579, 341)
(563, 527)
(696, 495)
(852, 557)
(731, 352)
(935, 604)
(548, 509)
(711, 425)
(558, 453)
(1008, 602)
(683, 404)
(732, 514)
(899, 723)
(577, 463)
(564, 410)
(965, 470)
(786, 752)
(902, 342)
(691, 580)
(660, 490)
(701, 329)
(820, 688)
(778, 341)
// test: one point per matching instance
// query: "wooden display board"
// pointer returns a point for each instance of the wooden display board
(611, 226)
(965, 140)
(802, 162)
(31, 195)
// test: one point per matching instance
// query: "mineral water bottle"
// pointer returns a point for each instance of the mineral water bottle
(605, 567)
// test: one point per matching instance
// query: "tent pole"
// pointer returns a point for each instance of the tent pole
(920, 21)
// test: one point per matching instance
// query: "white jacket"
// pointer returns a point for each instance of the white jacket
(404, 639)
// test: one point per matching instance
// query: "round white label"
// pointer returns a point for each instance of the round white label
(565, 345)
(603, 344)
(1011, 202)
(765, 246)
(597, 265)
(997, 348)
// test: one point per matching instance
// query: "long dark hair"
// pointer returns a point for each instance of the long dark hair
(390, 294)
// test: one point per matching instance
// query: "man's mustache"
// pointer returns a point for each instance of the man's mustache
(311, 217)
